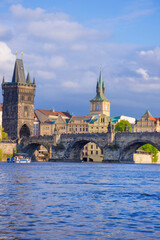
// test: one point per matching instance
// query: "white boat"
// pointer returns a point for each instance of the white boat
(19, 158)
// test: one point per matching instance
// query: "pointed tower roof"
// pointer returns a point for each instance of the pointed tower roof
(28, 80)
(18, 74)
(3, 81)
(147, 114)
(34, 81)
(100, 90)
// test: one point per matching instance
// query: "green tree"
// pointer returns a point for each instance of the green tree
(4, 135)
(123, 125)
(148, 148)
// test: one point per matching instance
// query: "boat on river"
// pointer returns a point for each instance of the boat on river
(19, 158)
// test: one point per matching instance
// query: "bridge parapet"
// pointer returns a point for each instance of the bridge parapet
(115, 146)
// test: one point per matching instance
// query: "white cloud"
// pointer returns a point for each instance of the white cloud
(152, 55)
(19, 12)
(6, 61)
(57, 48)
(71, 85)
(143, 73)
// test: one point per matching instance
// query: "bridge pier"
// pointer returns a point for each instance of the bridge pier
(111, 154)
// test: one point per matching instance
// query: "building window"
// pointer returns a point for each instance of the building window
(97, 152)
(29, 98)
(97, 107)
(91, 152)
(83, 129)
(96, 147)
(22, 97)
(26, 111)
(91, 146)
(80, 129)
(86, 129)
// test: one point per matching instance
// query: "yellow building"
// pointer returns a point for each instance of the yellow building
(147, 123)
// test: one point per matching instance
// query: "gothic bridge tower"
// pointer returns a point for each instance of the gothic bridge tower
(100, 104)
(18, 103)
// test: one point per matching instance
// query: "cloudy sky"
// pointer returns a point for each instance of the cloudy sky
(65, 43)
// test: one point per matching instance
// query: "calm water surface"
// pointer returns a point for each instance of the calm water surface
(79, 201)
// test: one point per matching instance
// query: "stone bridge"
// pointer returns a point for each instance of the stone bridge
(117, 147)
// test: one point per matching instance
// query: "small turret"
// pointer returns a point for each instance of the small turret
(3, 81)
(28, 80)
(103, 87)
(34, 82)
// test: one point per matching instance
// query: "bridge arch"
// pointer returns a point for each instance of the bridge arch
(128, 151)
(73, 151)
(33, 147)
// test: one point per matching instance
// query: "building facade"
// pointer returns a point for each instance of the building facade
(147, 123)
(18, 103)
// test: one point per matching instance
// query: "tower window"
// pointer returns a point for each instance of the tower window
(97, 107)
(26, 111)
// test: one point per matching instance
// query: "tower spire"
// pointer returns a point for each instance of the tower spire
(3, 81)
(28, 80)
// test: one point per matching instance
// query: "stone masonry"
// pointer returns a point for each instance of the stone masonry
(117, 147)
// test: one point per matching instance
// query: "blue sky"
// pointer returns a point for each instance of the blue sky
(66, 42)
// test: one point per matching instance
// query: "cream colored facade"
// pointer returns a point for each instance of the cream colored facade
(147, 123)
(99, 107)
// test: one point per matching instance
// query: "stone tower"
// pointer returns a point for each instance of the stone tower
(100, 104)
(18, 103)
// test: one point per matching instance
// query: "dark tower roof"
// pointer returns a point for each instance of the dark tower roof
(100, 90)
(18, 74)
(28, 80)
(3, 81)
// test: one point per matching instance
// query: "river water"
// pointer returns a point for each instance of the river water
(79, 201)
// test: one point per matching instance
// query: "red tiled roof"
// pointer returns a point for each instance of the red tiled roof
(54, 113)
(152, 118)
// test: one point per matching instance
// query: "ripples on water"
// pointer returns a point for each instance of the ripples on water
(79, 201)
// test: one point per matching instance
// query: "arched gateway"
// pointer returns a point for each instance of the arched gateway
(24, 131)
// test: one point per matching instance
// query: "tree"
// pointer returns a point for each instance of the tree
(148, 148)
(3, 135)
(123, 125)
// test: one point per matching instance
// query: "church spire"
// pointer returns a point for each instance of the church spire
(100, 89)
